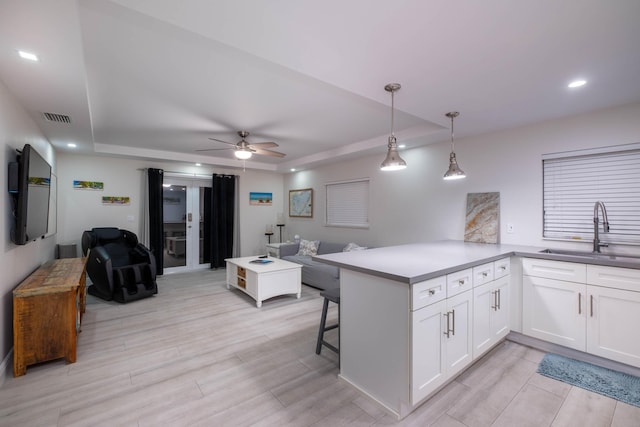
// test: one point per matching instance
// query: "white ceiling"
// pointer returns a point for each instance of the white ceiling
(156, 78)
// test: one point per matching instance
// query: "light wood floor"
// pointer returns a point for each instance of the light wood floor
(198, 354)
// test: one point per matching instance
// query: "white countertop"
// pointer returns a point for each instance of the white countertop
(413, 263)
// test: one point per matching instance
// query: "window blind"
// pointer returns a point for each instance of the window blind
(572, 185)
(348, 204)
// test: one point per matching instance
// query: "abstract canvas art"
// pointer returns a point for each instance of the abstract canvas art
(482, 219)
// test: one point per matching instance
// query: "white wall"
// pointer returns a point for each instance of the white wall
(16, 262)
(80, 210)
(416, 204)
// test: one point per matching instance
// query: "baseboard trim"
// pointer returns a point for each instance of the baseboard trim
(5, 366)
(571, 353)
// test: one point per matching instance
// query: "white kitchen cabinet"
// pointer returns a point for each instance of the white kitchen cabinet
(442, 343)
(459, 339)
(599, 315)
(460, 281)
(428, 292)
(558, 270)
(614, 277)
(502, 267)
(401, 342)
(428, 359)
(613, 313)
(553, 311)
(554, 294)
(490, 314)
(613, 316)
(483, 274)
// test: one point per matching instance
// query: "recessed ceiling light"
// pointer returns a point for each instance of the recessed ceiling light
(71, 145)
(166, 185)
(198, 164)
(28, 55)
(293, 169)
(402, 146)
(577, 83)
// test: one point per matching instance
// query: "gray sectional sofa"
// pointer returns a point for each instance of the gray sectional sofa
(314, 273)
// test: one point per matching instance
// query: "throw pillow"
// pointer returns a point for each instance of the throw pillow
(353, 247)
(308, 247)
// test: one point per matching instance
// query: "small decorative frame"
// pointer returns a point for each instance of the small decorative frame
(301, 203)
(116, 200)
(260, 199)
(88, 185)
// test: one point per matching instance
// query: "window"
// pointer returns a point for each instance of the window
(573, 182)
(348, 203)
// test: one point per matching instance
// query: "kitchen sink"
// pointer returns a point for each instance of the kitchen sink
(592, 255)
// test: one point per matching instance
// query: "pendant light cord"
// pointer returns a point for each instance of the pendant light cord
(452, 115)
(392, 110)
(452, 145)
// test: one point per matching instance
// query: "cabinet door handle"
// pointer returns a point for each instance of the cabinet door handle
(591, 304)
(461, 282)
(432, 291)
(453, 322)
(495, 300)
(447, 330)
(485, 274)
(499, 298)
(579, 303)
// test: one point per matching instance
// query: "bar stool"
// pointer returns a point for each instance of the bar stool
(332, 295)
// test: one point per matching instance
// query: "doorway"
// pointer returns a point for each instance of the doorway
(183, 206)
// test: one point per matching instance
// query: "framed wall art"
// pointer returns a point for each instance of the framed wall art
(88, 185)
(301, 203)
(260, 199)
(482, 219)
(116, 200)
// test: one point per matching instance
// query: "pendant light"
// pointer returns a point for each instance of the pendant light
(454, 171)
(393, 161)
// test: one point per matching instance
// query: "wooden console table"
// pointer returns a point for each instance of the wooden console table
(47, 311)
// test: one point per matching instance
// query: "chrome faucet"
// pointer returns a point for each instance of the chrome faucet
(605, 226)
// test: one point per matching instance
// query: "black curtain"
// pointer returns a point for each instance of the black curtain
(156, 218)
(219, 222)
(207, 225)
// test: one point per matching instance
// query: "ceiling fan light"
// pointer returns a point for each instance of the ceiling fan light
(243, 154)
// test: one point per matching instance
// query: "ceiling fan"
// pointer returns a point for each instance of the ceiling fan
(244, 150)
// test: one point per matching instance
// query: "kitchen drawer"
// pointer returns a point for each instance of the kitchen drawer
(459, 281)
(614, 277)
(428, 292)
(558, 270)
(502, 267)
(482, 274)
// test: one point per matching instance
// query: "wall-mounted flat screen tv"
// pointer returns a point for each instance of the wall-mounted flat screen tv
(29, 186)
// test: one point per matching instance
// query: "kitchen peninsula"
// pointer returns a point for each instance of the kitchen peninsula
(412, 317)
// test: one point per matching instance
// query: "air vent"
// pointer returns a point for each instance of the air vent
(57, 118)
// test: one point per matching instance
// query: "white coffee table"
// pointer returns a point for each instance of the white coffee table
(264, 281)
